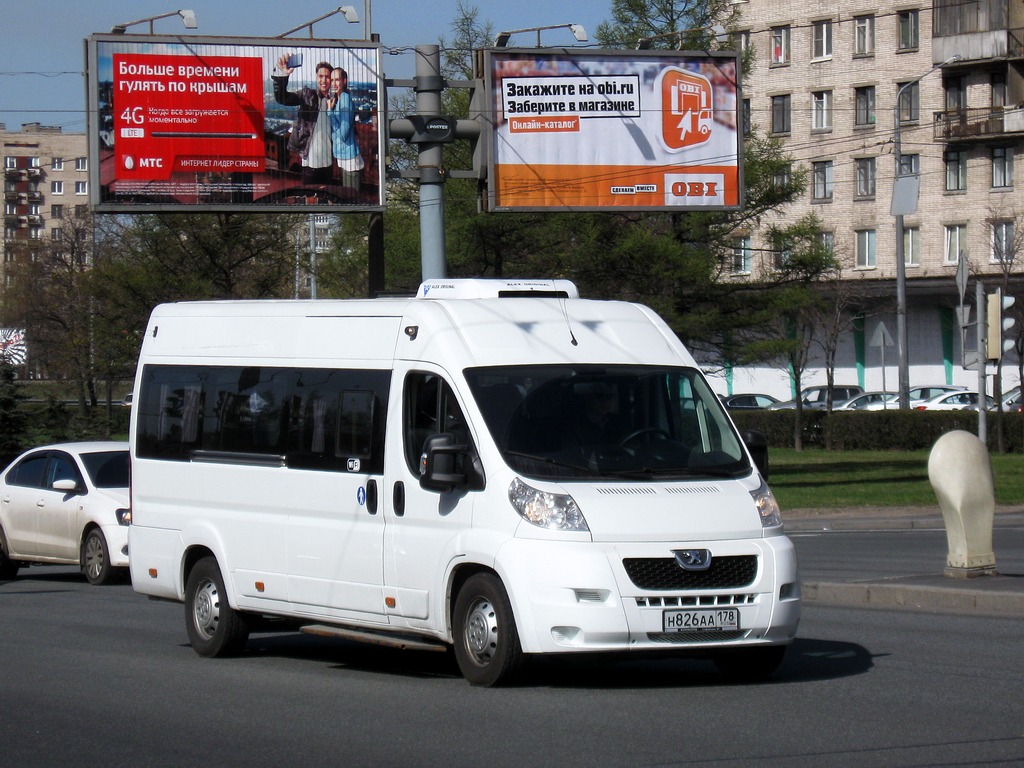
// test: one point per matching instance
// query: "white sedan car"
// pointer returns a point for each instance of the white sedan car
(950, 401)
(66, 504)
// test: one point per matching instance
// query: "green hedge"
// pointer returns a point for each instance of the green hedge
(876, 430)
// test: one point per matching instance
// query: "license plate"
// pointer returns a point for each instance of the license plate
(703, 620)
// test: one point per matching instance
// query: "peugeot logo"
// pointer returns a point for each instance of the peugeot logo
(693, 559)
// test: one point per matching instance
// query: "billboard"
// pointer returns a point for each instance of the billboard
(220, 124)
(613, 130)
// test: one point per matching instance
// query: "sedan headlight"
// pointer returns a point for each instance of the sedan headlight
(767, 506)
(557, 511)
(124, 516)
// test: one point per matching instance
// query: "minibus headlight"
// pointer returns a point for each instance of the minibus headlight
(767, 506)
(557, 511)
(124, 516)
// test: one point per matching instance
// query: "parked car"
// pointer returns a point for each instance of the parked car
(748, 402)
(861, 402)
(917, 395)
(950, 401)
(1011, 402)
(816, 398)
(66, 504)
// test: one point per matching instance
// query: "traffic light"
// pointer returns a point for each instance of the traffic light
(996, 305)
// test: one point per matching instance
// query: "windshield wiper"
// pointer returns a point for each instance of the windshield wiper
(551, 462)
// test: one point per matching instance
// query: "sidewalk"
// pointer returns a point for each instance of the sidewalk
(999, 595)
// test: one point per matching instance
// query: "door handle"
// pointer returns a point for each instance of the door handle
(371, 496)
(398, 499)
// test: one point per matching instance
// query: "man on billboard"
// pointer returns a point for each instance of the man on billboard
(311, 131)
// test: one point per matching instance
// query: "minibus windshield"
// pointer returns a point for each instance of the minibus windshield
(627, 422)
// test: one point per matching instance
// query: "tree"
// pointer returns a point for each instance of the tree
(13, 421)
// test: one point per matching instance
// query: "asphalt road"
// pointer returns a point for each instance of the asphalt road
(101, 676)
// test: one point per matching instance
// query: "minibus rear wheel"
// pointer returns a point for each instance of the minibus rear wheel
(214, 627)
(487, 646)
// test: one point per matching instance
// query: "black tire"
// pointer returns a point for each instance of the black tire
(214, 627)
(8, 568)
(96, 559)
(750, 665)
(487, 646)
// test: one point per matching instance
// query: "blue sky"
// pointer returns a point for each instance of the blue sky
(42, 58)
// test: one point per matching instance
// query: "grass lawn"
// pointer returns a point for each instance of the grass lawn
(819, 479)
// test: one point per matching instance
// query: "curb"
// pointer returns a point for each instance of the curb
(959, 597)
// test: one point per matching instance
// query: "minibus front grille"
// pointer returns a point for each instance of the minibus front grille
(727, 572)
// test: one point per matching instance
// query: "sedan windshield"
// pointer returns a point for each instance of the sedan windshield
(622, 422)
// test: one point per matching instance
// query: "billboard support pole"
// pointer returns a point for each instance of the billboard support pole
(428, 85)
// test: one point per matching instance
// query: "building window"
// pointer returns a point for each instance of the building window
(10, 209)
(828, 241)
(81, 164)
(822, 110)
(81, 211)
(10, 163)
(1002, 167)
(56, 233)
(56, 211)
(33, 162)
(81, 187)
(909, 165)
(912, 246)
(746, 117)
(35, 233)
(57, 163)
(780, 45)
(822, 172)
(741, 255)
(999, 90)
(782, 177)
(956, 171)
(1002, 242)
(864, 98)
(56, 187)
(866, 177)
(910, 102)
(956, 243)
(908, 33)
(863, 35)
(822, 40)
(865, 248)
(780, 114)
(956, 93)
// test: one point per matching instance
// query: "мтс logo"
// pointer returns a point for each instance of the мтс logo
(686, 108)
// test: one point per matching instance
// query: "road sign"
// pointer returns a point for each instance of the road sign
(881, 337)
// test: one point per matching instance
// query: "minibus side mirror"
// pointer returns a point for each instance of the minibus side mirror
(440, 465)
(757, 444)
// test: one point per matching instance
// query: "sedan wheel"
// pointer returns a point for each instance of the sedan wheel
(95, 560)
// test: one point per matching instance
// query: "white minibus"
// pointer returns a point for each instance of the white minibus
(495, 466)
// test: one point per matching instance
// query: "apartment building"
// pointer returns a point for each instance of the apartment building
(863, 92)
(46, 178)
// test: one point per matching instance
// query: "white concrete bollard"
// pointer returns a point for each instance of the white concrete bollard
(961, 476)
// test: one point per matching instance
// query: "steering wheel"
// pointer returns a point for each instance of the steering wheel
(643, 431)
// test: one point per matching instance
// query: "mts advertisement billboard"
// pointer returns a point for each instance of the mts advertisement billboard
(608, 130)
(222, 124)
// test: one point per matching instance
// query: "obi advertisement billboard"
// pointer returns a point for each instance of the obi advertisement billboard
(200, 123)
(640, 130)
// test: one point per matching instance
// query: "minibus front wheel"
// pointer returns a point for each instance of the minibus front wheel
(487, 646)
(214, 627)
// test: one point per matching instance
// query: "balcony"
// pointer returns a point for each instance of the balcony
(976, 123)
(982, 45)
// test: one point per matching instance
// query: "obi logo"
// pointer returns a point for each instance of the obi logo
(686, 108)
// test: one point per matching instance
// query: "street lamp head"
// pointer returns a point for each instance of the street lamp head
(579, 32)
(188, 18)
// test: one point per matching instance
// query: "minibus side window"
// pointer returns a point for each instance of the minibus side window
(430, 408)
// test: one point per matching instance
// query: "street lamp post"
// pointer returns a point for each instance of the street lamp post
(903, 204)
